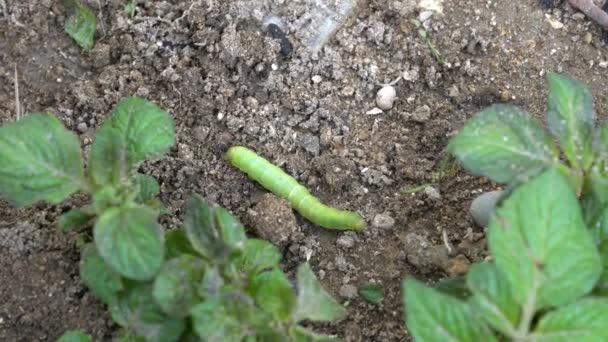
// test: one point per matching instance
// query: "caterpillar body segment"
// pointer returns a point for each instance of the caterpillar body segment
(283, 185)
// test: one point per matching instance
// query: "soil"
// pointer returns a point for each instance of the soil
(227, 79)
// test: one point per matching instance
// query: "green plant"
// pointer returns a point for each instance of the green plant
(206, 281)
(81, 24)
(130, 7)
(548, 275)
(537, 286)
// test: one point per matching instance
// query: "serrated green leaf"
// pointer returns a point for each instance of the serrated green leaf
(259, 255)
(40, 160)
(81, 26)
(148, 188)
(130, 241)
(373, 293)
(492, 297)
(74, 336)
(455, 287)
(273, 294)
(313, 302)
(226, 317)
(231, 230)
(301, 334)
(570, 117)
(433, 316)
(212, 230)
(211, 284)
(75, 218)
(176, 285)
(135, 131)
(97, 276)
(504, 144)
(177, 244)
(136, 311)
(541, 244)
(582, 321)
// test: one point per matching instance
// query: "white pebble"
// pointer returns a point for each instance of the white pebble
(386, 97)
(374, 111)
(316, 79)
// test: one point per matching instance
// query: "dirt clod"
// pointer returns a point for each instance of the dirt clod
(273, 219)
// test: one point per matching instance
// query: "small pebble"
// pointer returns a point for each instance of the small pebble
(348, 291)
(345, 241)
(483, 207)
(82, 127)
(457, 265)
(311, 143)
(374, 111)
(424, 16)
(386, 96)
(384, 221)
(432, 193)
(316, 79)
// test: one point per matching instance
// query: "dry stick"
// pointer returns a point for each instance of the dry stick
(17, 104)
(592, 11)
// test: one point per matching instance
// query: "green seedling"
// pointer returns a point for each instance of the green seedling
(130, 7)
(81, 24)
(539, 285)
(423, 34)
(373, 293)
(508, 146)
(206, 281)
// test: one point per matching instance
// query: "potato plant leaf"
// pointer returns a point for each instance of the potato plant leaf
(371, 292)
(74, 336)
(176, 244)
(40, 160)
(455, 287)
(313, 303)
(137, 311)
(81, 26)
(212, 231)
(570, 117)
(258, 255)
(75, 218)
(211, 284)
(301, 334)
(540, 242)
(136, 130)
(226, 317)
(97, 276)
(434, 316)
(130, 242)
(582, 321)
(273, 294)
(492, 297)
(176, 285)
(148, 188)
(504, 144)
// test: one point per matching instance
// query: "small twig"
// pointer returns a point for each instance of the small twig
(446, 241)
(17, 103)
(592, 11)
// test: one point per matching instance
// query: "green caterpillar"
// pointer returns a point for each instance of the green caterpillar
(283, 185)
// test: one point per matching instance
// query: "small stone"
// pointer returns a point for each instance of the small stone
(345, 241)
(425, 15)
(82, 127)
(432, 193)
(453, 91)
(386, 96)
(603, 64)
(348, 291)
(588, 38)
(421, 114)
(483, 207)
(384, 221)
(310, 143)
(457, 265)
(411, 75)
(374, 111)
(316, 79)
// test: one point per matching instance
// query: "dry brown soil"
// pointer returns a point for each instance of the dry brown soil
(224, 80)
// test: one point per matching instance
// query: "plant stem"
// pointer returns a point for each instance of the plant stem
(528, 311)
(592, 11)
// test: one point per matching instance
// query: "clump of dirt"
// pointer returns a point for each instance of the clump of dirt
(218, 70)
